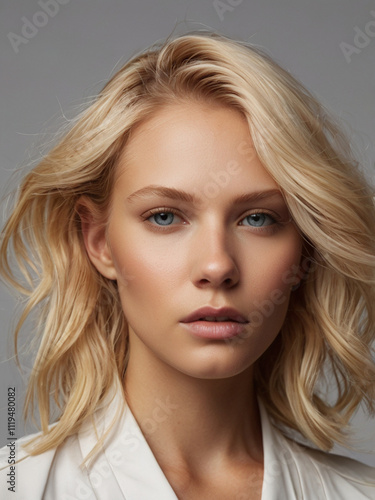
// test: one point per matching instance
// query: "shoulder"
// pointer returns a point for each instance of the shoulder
(56, 473)
(44, 476)
(19, 471)
(344, 469)
(294, 469)
(335, 476)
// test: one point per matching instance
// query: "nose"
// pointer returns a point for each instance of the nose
(214, 260)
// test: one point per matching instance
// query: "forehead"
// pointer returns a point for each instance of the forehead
(179, 125)
(189, 145)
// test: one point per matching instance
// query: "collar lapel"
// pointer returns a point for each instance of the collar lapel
(125, 467)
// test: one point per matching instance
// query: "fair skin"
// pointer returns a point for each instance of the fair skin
(209, 440)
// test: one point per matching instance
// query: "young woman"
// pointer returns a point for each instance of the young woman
(199, 247)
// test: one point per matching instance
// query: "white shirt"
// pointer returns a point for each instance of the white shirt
(126, 468)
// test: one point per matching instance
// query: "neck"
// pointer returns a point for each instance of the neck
(193, 422)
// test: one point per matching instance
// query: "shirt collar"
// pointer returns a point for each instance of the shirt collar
(128, 469)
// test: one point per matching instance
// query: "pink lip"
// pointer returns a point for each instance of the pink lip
(202, 312)
(219, 330)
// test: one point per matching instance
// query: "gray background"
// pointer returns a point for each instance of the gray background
(70, 54)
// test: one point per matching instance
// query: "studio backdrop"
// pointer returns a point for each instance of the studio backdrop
(57, 54)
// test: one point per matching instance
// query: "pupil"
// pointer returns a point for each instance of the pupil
(257, 219)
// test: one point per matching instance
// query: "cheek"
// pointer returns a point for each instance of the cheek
(283, 271)
(275, 266)
(269, 286)
(145, 275)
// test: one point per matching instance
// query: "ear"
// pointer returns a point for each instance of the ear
(95, 238)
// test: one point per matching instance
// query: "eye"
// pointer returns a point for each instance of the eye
(163, 216)
(259, 219)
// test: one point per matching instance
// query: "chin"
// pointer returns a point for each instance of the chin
(216, 369)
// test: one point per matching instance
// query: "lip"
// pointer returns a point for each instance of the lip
(218, 330)
(230, 312)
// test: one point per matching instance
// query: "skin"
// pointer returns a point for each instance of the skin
(207, 437)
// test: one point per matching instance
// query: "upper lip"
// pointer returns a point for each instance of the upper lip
(202, 312)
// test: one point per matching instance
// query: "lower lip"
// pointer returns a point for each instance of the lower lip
(217, 330)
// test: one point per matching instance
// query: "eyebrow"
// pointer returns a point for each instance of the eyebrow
(177, 194)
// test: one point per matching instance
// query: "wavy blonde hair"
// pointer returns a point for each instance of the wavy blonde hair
(83, 332)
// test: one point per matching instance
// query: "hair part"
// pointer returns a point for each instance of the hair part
(83, 332)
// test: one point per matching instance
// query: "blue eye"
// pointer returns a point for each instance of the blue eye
(163, 218)
(260, 219)
(166, 217)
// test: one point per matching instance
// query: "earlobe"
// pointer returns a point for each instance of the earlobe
(95, 239)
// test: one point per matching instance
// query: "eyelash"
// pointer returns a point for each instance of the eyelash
(266, 229)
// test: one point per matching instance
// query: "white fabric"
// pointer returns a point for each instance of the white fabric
(127, 469)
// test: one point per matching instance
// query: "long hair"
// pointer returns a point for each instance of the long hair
(83, 345)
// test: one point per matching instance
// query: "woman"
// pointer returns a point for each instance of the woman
(203, 242)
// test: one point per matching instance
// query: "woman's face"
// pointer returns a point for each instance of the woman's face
(213, 251)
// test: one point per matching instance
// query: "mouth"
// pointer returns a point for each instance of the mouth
(209, 314)
(215, 329)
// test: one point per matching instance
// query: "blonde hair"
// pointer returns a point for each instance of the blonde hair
(83, 331)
